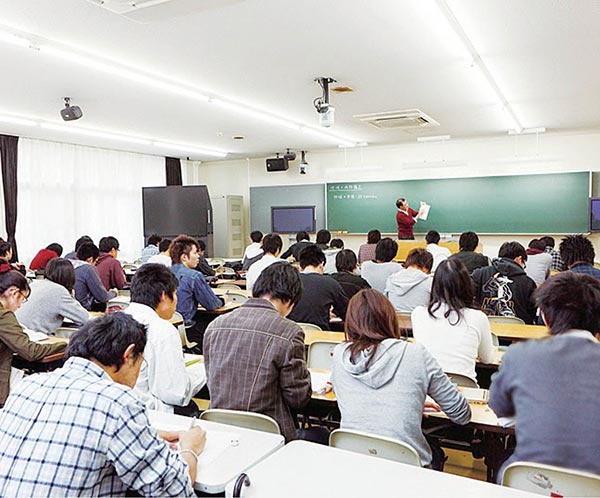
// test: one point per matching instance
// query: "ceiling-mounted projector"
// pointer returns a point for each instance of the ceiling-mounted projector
(70, 112)
(325, 110)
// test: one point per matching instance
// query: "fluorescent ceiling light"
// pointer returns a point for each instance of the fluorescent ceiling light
(116, 70)
(14, 40)
(17, 121)
(528, 131)
(478, 62)
(328, 136)
(94, 133)
(254, 113)
(438, 138)
(189, 149)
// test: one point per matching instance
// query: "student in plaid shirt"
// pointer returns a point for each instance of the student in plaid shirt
(80, 431)
(557, 262)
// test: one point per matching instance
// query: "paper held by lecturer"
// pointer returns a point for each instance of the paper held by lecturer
(424, 211)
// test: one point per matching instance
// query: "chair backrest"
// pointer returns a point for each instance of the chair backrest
(225, 270)
(320, 354)
(249, 420)
(309, 326)
(462, 380)
(550, 480)
(65, 332)
(215, 262)
(377, 446)
(178, 317)
(495, 341)
(229, 287)
(236, 297)
(505, 319)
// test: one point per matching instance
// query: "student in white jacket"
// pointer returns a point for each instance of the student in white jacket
(450, 328)
(164, 383)
(438, 252)
(411, 287)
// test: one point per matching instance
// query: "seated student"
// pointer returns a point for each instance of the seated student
(551, 386)
(381, 382)
(411, 287)
(14, 290)
(6, 253)
(366, 252)
(162, 257)
(84, 239)
(152, 248)
(335, 247)
(203, 266)
(51, 300)
(467, 243)
(503, 288)
(322, 239)
(254, 356)
(577, 252)
(557, 262)
(302, 240)
(41, 259)
(254, 251)
(94, 437)
(345, 262)
(320, 292)
(439, 253)
(193, 288)
(164, 383)
(272, 245)
(539, 262)
(89, 290)
(377, 272)
(450, 328)
(109, 269)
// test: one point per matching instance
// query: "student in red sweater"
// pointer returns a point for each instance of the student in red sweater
(41, 259)
(109, 269)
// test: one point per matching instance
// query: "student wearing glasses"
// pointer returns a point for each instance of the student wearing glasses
(14, 291)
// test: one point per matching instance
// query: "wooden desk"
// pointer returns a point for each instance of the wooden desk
(220, 464)
(223, 292)
(226, 308)
(518, 332)
(337, 473)
(405, 246)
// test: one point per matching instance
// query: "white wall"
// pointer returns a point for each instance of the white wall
(546, 153)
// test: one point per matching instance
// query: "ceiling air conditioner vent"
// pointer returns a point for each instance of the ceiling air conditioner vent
(150, 11)
(413, 118)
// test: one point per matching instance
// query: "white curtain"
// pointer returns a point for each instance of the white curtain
(66, 191)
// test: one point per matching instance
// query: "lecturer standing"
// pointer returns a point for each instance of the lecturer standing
(406, 218)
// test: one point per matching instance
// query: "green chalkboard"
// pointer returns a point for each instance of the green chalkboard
(528, 204)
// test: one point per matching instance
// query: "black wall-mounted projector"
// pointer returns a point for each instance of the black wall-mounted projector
(70, 112)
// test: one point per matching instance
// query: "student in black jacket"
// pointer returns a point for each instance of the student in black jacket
(503, 288)
(345, 262)
(302, 240)
(320, 292)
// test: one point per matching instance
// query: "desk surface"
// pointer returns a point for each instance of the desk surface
(229, 450)
(354, 475)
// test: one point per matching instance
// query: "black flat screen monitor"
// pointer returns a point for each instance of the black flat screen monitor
(293, 219)
(595, 215)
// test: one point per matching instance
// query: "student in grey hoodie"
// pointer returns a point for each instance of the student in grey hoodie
(89, 290)
(411, 287)
(381, 382)
(51, 300)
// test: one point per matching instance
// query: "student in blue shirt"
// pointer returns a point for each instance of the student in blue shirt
(193, 288)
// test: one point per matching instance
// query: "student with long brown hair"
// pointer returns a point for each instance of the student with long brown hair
(381, 381)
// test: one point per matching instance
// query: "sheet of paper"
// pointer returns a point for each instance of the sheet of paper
(473, 394)
(424, 211)
(35, 336)
(16, 377)
(319, 381)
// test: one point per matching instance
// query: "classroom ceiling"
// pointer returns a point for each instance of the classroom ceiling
(395, 55)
